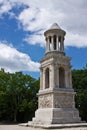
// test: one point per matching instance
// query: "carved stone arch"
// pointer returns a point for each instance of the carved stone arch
(61, 77)
(47, 76)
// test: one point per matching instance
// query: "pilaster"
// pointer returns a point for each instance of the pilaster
(57, 43)
(41, 79)
(52, 76)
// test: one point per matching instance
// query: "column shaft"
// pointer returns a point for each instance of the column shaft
(52, 43)
(46, 44)
(44, 79)
(66, 78)
(41, 79)
(57, 43)
(57, 75)
(52, 80)
(70, 73)
(62, 44)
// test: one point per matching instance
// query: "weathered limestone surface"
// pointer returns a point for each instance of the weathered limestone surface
(56, 104)
(56, 108)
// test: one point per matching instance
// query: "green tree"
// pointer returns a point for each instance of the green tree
(80, 85)
(17, 96)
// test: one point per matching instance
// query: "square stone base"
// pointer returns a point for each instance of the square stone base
(55, 108)
(54, 116)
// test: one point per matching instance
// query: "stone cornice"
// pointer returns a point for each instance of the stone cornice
(55, 55)
(58, 90)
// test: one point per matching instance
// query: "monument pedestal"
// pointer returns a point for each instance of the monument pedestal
(56, 107)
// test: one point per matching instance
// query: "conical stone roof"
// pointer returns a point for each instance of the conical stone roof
(55, 26)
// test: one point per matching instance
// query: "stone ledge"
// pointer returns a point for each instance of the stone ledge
(56, 90)
(54, 126)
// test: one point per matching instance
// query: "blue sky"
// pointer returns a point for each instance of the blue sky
(22, 25)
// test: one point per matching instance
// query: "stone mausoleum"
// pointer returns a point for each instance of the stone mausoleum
(56, 104)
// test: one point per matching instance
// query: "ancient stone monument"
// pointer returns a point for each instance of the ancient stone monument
(56, 103)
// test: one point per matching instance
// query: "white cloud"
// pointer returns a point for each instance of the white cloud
(35, 39)
(5, 7)
(12, 60)
(37, 21)
(70, 15)
(76, 40)
(34, 19)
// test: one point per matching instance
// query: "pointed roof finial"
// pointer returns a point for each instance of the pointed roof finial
(55, 26)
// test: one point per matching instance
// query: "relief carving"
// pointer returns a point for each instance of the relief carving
(63, 101)
(45, 101)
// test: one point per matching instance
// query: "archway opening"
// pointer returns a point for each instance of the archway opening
(59, 43)
(61, 77)
(50, 41)
(47, 78)
(54, 41)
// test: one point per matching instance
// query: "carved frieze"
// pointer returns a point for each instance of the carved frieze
(45, 101)
(63, 101)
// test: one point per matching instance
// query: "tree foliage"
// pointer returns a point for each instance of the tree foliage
(18, 99)
(80, 85)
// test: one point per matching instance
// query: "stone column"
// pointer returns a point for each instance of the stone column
(57, 71)
(70, 73)
(47, 45)
(66, 78)
(56, 76)
(52, 43)
(41, 78)
(52, 76)
(62, 44)
(69, 78)
(57, 43)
